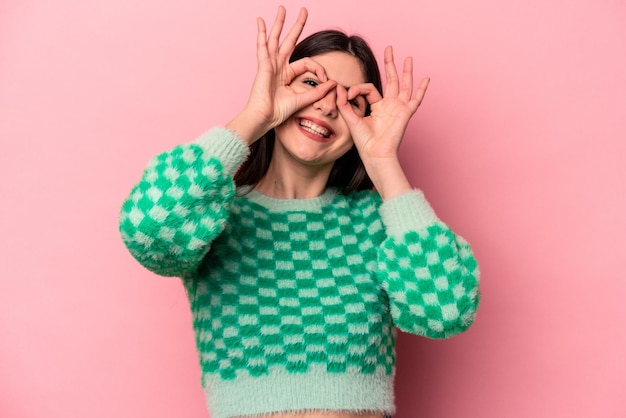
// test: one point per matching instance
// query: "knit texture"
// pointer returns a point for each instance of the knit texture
(294, 302)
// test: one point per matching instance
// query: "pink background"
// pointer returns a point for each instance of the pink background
(520, 146)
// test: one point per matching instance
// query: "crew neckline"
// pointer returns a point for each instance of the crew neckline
(276, 204)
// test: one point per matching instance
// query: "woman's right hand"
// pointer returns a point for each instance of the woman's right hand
(272, 100)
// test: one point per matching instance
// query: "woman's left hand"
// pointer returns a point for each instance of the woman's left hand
(378, 135)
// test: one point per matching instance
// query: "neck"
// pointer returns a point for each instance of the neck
(285, 180)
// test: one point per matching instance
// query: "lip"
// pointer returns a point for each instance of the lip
(313, 136)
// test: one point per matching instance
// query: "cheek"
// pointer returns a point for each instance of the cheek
(298, 86)
(344, 127)
(346, 142)
(281, 130)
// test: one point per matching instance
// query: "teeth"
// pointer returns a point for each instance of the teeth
(314, 128)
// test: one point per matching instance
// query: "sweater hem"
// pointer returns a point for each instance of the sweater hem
(316, 390)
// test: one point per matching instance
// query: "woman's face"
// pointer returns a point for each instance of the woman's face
(318, 135)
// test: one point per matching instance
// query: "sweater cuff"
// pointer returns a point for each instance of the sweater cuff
(226, 146)
(407, 212)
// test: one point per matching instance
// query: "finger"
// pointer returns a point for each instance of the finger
(289, 43)
(367, 90)
(277, 28)
(303, 65)
(416, 101)
(346, 110)
(391, 87)
(261, 40)
(407, 80)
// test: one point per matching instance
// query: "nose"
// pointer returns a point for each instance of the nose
(328, 104)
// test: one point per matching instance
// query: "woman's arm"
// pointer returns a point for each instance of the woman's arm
(429, 273)
(181, 203)
(378, 135)
(183, 199)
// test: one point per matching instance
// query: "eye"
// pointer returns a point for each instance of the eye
(311, 82)
(357, 102)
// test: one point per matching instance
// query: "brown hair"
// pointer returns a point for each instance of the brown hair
(348, 172)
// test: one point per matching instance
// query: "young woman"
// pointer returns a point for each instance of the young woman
(297, 271)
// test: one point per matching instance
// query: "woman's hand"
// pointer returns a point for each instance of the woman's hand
(271, 100)
(378, 136)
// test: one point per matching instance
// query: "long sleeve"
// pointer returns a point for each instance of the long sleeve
(181, 203)
(429, 273)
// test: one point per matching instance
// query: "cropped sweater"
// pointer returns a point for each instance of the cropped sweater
(295, 302)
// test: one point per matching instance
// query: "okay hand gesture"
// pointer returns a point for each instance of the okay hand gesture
(272, 100)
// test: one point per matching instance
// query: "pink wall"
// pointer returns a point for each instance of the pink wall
(520, 146)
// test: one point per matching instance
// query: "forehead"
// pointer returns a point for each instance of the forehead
(344, 68)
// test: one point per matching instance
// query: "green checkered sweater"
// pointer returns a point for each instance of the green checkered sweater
(295, 302)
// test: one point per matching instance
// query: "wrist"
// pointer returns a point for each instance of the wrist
(245, 126)
(387, 176)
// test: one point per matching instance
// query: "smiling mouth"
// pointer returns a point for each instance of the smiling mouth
(314, 128)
